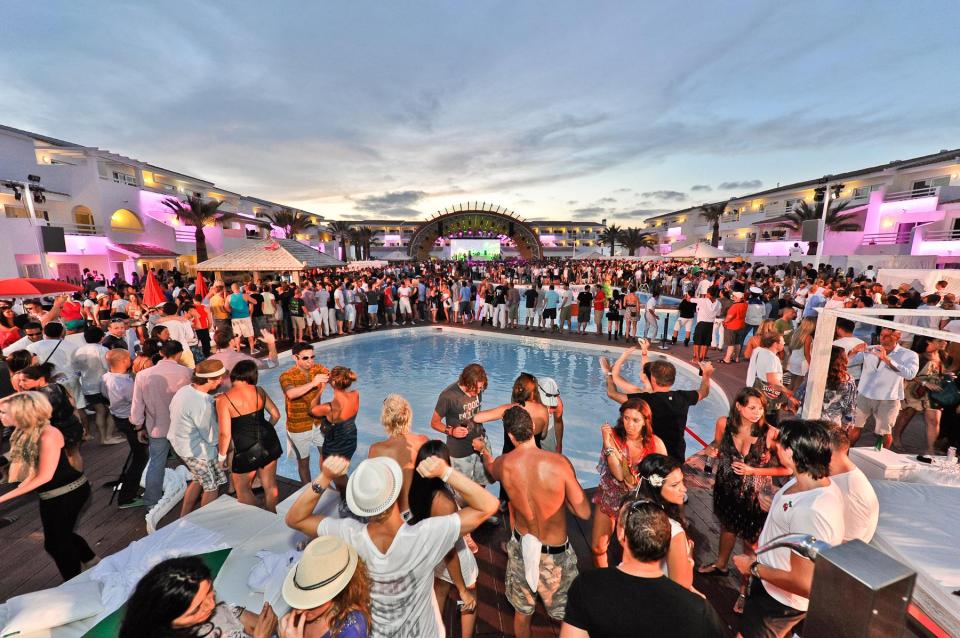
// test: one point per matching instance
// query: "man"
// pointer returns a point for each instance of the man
(650, 317)
(861, 509)
(453, 415)
(784, 325)
(851, 345)
(240, 305)
(530, 296)
(300, 384)
(32, 332)
(668, 406)
(584, 304)
(321, 316)
(552, 439)
(708, 309)
(566, 308)
(765, 365)
(542, 486)
(686, 311)
(500, 305)
(310, 306)
(228, 351)
(400, 558)
(613, 602)
(180, 330)
(513, 306)
(194, 431)
(153, 389)
(117, 387)
(809, 503)
(880, 391)
(551, 299)
(465, 311)
(403, 294)
(256, 310)
(116, 337)
(90, 362)
(219, 308)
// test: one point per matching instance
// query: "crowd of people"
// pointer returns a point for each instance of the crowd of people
(181, 379)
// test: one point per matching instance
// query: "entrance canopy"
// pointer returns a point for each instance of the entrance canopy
(270, 255)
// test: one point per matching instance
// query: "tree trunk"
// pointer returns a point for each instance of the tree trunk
(715, 240)
(343, 249)
(201, 240)
(632, 250)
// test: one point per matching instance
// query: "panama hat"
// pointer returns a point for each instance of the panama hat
(324, 570)
(549, 392)
(374, 486)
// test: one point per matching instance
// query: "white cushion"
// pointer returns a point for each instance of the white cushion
(50, 608)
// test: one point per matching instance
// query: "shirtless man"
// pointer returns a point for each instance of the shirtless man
(401, 446)
(542, 486)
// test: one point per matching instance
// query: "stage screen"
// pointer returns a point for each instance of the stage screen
(474, 248)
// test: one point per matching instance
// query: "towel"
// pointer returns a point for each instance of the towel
(530, 547)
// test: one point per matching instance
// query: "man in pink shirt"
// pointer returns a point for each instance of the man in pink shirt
(153, 389)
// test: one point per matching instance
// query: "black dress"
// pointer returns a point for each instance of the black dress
(64, 416)
(255, 441)
(736, 498)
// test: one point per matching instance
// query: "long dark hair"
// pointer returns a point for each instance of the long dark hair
(161, 596)
(525, 389)
(641, 406)
(660, 465)
(837, 372)
(734, 419)
(422, 489)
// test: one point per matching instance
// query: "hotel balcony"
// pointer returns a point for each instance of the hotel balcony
(943, 242)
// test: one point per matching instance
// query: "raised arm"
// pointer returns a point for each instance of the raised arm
(622, 383)
(704, 389)
(301, 515)
(479, 503)
(271, 361)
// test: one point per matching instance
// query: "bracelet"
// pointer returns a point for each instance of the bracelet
(221, 458)
(446, 475)
(608, 451)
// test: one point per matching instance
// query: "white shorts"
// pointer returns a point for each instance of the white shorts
(405, 305)
(301, 442)
(242, 327)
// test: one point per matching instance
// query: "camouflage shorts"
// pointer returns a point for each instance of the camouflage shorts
(557, 572)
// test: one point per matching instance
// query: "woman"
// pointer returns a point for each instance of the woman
(624, 446)
(734, 327)
(39, 462)
(401, 444)
(613, 315)
(138, 316)
(432, 497)
(630, 304)
(16, 363)
(338, 418)
(661, 480)
(800, 343)
(148, 356)
(767, 325)
(255, 444)
(104, 311)
(840, 392)
(176, 598)
(433, 300)
(64, 415)
(745, 446)
(9, 332)
(161, 333)
(916, 393)
(526, 394)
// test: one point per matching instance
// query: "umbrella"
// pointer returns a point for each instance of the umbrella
(200, 287)
(152, 293)
(27, 287)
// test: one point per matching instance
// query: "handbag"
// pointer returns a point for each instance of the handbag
(265, 450)
(947, 396)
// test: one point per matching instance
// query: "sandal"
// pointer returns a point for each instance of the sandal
(713, 570)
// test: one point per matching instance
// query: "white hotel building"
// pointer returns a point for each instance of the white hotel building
(109, 209)
(908, 212)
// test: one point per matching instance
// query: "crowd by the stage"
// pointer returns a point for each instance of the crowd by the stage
(180, 379)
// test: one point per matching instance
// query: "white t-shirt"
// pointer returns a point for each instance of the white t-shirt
(953, 326)
(762, 362)
(402, 603)
(848, 344)
(818, 512)
(90, 362)
(651, 307)
(707, 310)
(861, 509)
(675, 528)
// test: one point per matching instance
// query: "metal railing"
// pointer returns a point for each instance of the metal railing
(186, 234)
(942, 235)
(72, 228)
(914, 193)
(886, 239)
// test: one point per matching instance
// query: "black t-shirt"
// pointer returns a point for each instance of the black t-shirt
(669, 411)
(257, 305)
(584, 299)
(295, 307)
(456, 408)
(285, 298)
(500, 295)
(607, 603)
(530, 295)
(687, 309)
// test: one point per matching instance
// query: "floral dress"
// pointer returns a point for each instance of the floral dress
(736, 498)
(610, 492)
(838, 403)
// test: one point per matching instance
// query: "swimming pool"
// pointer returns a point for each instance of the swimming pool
(420, 362)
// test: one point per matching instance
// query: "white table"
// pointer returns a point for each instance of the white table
(890, 466)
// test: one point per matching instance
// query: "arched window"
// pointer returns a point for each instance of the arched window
(83, 218)
(126, 220)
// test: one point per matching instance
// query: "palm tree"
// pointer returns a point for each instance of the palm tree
(340, 232)
(365, 239)
(291, 222)
(200, 214)
(357, 242)
(712, 213)
(634, 238)
(835, 219)
(611, 235)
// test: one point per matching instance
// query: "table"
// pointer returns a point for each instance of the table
(889, 466)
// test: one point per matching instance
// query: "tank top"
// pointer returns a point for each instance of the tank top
(63, 475)
(203, 319)
(245, 428)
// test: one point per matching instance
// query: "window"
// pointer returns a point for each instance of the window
(126, 220)
(790, 203)
(864, 191)
(122, 178)
(15, 212)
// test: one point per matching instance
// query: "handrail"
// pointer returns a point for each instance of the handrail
(886, 239)
(913, 193)
(942, 235)
(72, 228)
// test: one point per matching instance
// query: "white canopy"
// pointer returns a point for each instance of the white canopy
(591, 256)
(699, 250)
(397, 255)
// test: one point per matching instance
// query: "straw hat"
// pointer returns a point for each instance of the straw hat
(325, 569)
(549, 392)
(210, 369)
(374, 486)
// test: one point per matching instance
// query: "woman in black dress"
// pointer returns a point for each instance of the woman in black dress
(64, 417)
(745, 470)
(338, 418)
(256, 446)
(613, 315)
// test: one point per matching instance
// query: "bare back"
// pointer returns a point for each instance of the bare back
(402, 449)
(540, 485)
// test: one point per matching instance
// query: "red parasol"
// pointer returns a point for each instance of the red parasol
(26, 287)
(152, 293)
(200, 287)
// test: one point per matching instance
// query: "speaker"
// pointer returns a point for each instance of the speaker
(52, 239)
(510, 229)
(809, 230)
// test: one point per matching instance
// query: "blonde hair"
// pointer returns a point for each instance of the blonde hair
(807, 327)
(396, 415)
(767, 325)
(29, 410)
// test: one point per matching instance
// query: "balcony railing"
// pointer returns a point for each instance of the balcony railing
(72, 228)
(886, 239)
(942, 235)
(915, 193)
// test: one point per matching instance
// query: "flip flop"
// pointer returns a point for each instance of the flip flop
(713, 570)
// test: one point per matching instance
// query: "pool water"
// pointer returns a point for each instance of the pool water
(420, 362)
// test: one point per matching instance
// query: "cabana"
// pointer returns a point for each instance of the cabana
(269, 255)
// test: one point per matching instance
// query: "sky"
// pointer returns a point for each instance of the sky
(556, 110)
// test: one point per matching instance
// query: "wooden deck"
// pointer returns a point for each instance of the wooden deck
(26, 567)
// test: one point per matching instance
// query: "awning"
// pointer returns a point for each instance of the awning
(147, 250)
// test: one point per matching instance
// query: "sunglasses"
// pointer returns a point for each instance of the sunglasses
(307, 356)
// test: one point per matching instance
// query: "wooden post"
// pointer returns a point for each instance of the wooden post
(819, 364)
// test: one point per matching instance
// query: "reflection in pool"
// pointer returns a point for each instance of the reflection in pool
(419, 362)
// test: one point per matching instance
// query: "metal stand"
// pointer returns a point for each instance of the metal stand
(114, 486)
(663, 337)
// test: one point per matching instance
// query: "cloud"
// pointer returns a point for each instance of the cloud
(623, 190)
(672, 196)
(700, 188)
(401, 212)
(747, 183)
(639, 213)
(589, 211)
(607, 200)
(392, 200)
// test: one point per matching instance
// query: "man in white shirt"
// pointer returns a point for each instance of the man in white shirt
(90, 362)
(809, 503)
(861, 509)
(880, 391)
(765, 365)
(180, 330)
(400, 558)
(708, 309)
(852, 345)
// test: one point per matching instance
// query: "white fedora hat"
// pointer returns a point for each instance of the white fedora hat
(374, 486)
(325, 569)
(549, 391)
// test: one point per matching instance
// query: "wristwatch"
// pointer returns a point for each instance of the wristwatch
(755, 569)
(317, 489)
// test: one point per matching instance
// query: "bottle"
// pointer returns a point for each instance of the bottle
(879, 444)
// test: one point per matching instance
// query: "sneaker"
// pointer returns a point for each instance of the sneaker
(137, 502)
